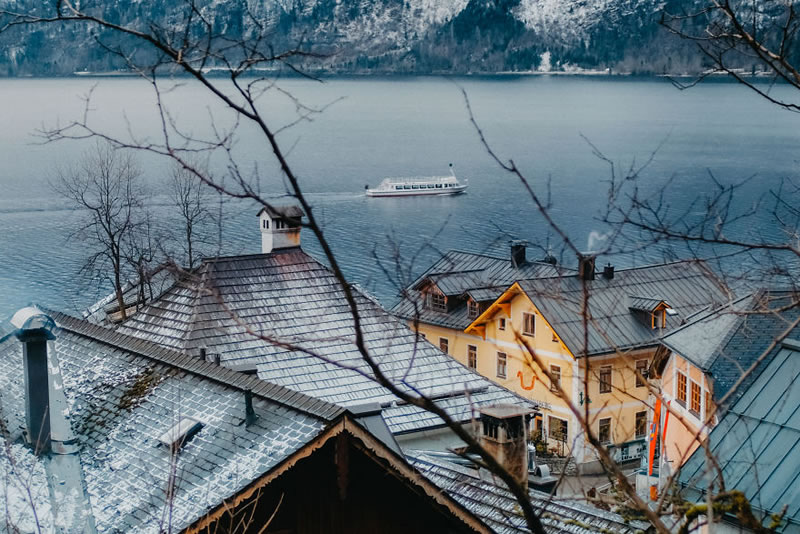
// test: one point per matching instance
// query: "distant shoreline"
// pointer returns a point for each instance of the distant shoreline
(595, 73)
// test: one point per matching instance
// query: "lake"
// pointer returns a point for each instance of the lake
(395, 127)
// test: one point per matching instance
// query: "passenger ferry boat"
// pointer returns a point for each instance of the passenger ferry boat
(423, 185)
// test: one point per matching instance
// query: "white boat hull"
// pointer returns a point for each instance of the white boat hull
(416, 192)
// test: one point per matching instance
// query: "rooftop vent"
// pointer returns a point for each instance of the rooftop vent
(608, 272)
(180, 433)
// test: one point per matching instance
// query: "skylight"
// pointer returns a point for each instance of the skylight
(180, 433)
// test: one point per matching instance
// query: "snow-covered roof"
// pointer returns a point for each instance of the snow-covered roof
(121, 395)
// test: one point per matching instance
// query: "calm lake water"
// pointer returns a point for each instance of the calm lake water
(394, 127)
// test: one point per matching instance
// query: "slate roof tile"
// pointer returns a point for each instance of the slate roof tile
(296, 303)
(726, 341)
(496, 506)
(123, 393)
(686, 286)
(756, 443)
(480, 275)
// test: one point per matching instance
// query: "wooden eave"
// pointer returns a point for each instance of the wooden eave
(374, 449)
(502, 303)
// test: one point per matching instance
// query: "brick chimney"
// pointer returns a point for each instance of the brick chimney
(504, 433)
(280, 227)
(34, 329)
(518, 253)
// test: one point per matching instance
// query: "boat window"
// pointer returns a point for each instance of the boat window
(398, 187)
(438, 186)
(414, 187)
(430, 186)
(406, 187)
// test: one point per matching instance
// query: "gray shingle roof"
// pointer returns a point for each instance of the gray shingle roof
(297, 304)
(497, 507)
(756, 444)
(122, 394)
(483, 277)
(687, 286)
(726, 342)
(290, 211)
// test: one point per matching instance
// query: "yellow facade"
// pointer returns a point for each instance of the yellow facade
(688, 425)
(500, 329)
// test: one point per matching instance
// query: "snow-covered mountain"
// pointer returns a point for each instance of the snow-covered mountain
(374, 35)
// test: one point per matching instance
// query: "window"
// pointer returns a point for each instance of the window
(605, 379)
(435, 300)
(528, 324)
(695, 407)
(501, 323)
(604, 430)
(490, 429)
(472, 309)
(502, 360)
(444, 344)
(681, 395)
(266, 223)
(472, 356)
(640, 428)
(641, 372)
(555, 378)
(558, 428)
(658, 319)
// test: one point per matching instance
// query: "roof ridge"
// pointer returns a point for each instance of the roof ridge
(221, 259)
(270, 391)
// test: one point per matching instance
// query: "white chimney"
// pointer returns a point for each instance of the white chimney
(280, 227)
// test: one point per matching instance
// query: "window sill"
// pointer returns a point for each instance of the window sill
(502, 376)
(694, 413)
(528, 334)
(681, 403)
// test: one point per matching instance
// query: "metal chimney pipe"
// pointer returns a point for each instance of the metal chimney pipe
(34, 330)
(249, 413)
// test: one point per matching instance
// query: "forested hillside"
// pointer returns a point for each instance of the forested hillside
(382, 36)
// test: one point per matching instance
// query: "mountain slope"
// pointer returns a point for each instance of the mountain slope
(418, 36)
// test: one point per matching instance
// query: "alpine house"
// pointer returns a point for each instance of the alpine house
(282, 315)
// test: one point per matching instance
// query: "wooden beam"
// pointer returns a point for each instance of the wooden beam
(506, 307)
(480, 329)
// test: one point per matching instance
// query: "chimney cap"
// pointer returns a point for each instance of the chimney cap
(290, 211)
(31, 320)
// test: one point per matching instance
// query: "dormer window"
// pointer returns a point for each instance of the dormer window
(659, 319)
(651, 311)
(435, 300)
(473, 309)
(266, 224)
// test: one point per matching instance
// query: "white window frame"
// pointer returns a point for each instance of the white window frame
(504, 359)
(525, 331)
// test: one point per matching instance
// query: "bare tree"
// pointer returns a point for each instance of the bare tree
(194, 47)
(105, 184)
(192, 199)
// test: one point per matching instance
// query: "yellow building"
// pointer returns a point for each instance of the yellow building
(709, 356)
(594, 356)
